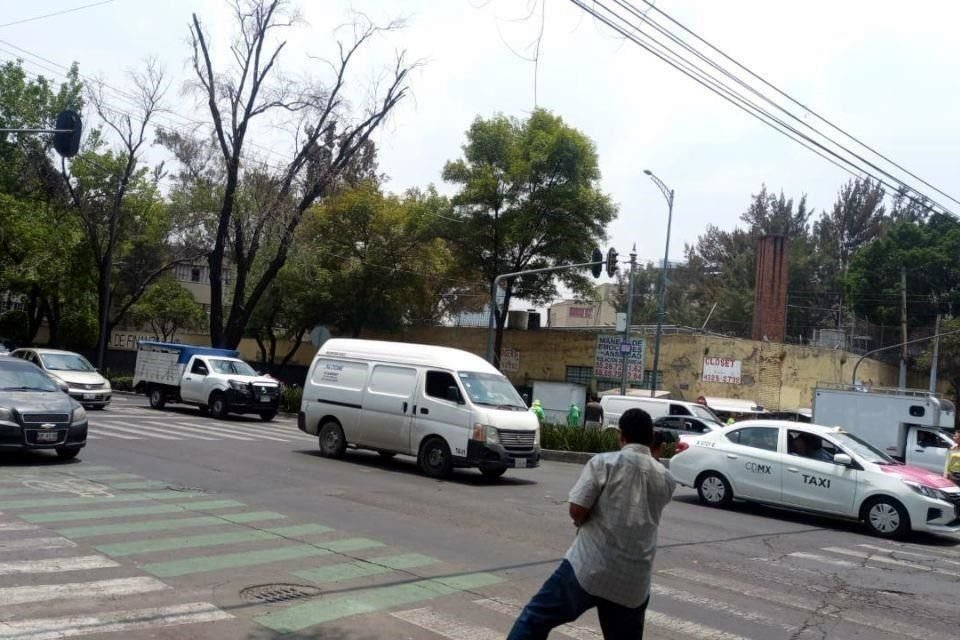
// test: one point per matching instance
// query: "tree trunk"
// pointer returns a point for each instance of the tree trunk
(501, 322)
(293, 351)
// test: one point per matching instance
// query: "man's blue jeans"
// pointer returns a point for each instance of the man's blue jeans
(562, 600)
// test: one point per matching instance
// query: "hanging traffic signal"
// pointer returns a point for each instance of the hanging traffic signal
(597, 259)
(612, 262)
(67, 138)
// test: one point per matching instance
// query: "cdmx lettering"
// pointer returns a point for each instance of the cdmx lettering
(817, 482)
(754, 467)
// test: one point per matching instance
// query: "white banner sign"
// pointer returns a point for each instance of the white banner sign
(723, 370)
(509, 359)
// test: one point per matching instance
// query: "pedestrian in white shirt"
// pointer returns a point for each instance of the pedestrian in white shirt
(616, 506)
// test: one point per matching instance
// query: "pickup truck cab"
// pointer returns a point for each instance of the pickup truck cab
(216, 380)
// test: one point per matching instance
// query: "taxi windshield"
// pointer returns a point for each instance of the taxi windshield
(861, 449)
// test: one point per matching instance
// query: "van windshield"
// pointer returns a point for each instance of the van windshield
(492, 390)
(702, 412)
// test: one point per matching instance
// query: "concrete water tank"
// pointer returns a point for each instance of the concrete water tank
(518, 320)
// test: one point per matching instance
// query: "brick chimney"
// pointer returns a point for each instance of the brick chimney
(770, 293)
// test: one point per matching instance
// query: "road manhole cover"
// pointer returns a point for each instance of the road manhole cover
(273, 593)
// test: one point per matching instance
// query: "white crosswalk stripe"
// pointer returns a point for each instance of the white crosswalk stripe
(24, 544)
(98, 589)
(56, 565)
(154, 425)
(140, 430)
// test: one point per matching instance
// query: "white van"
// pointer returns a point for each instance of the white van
(447, 407)
(614, 406)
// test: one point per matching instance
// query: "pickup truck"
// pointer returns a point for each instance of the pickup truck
(216, 380)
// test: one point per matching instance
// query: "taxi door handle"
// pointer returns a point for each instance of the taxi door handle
(732, 456)
(918, 450)
(793, 469)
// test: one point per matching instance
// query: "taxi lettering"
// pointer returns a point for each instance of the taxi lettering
(754, 467)
(817, 482)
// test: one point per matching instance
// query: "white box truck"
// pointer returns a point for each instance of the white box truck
(213, 379)
(906, 424)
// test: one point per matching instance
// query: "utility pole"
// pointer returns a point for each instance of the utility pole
(668, 194)
(903, 328)
(624, 369)
(936, 355)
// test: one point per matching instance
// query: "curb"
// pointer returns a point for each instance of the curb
(577, 457)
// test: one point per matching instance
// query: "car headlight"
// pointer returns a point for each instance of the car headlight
(536, 437)
(242, 387)
(927, 492)
(79, 417)
(485, 433)
(6, 415)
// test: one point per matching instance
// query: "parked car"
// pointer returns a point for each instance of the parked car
(36, 414)
(85, 383)
(686, 428)
(818, 469)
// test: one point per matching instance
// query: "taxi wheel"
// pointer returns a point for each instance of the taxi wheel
(714, 490)
(435, 459)
(885, 517)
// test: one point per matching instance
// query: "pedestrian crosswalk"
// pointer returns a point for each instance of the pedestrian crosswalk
(126, 421)
(95, 550)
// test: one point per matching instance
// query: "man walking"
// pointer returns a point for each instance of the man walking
(616, 506)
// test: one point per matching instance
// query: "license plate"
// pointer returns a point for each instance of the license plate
(89, 396)
(48, 436)
(264, 398)
(520, 463)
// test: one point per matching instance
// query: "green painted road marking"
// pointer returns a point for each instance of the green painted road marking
(361, 569)
(300, 530)
(351, 544)
(301, 616)
(205, 564)
(76, 500)
(146, 484)
(252, 516)
(94, 514)
(153, 525)
(183, 542)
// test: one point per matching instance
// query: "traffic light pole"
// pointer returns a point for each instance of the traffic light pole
(624, 369)
(491, 326)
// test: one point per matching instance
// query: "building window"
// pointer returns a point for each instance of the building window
(195, 274)
(580, 375)
(581, 312)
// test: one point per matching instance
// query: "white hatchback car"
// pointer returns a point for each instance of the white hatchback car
(818, 469)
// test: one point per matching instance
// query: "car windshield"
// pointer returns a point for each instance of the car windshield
(233, 367)
(705, 414)
(491, 389)
(65, 362)
(20, 378)
(861, 449)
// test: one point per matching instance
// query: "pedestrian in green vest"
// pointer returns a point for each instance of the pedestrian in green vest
(538, 411)
(573, 416)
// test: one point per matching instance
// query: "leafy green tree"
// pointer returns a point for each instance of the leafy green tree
(529, 198)
(167, 307)
(929, 251)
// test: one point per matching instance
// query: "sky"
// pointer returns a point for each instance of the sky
(883, 70)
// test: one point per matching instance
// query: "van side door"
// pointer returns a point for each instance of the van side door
(441, 410)
(387, 411)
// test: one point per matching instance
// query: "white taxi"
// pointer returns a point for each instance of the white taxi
(819, 469)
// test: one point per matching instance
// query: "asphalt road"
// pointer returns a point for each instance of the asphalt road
(173, 525)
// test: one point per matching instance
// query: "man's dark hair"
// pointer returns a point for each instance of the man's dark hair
(636, 427)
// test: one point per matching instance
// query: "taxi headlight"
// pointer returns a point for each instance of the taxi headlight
(79, 417)
(925, 491)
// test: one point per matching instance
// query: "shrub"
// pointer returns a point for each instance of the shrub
(563, 438)
(119, 382)
(290, 399)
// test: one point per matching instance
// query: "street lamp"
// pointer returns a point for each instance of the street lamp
(668, 194)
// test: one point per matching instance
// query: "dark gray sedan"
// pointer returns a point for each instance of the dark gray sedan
(36, 414)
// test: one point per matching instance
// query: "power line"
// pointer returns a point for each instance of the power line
(651, 44)
(803, 106)
(56, 13)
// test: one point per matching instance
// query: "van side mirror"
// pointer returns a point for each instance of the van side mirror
(842, 459)
(453, 395)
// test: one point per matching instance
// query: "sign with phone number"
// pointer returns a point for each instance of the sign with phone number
(722, 370)
(608, 363)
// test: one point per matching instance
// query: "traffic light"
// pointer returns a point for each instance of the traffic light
(597, 259)
(67, 142)
(611, 262)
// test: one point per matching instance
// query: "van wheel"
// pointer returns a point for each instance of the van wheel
(714, 490)
(332, 442)
(157, 398)
(218, 405)
(493, 472)
(435, 459)
(885, 517)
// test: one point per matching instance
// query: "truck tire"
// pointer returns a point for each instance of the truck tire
(219, 408)
(157, 397)
(885, 517)
(333, 444)
(435, 459)
(714, 490)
